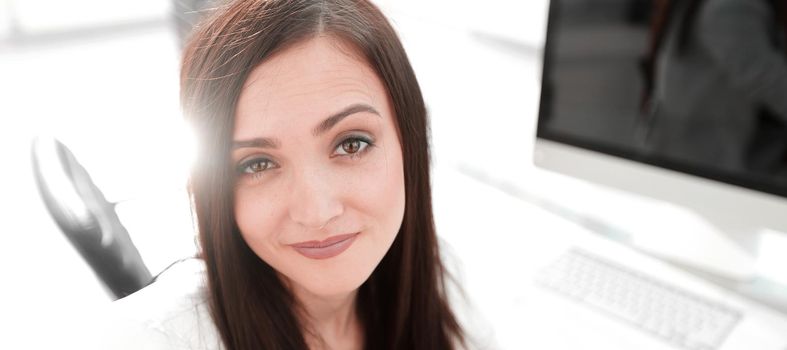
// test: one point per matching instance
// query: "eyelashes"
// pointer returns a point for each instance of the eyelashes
(351, 147)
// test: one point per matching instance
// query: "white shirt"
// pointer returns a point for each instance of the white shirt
(171, 313)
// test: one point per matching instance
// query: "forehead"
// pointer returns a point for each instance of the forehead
(304, 84)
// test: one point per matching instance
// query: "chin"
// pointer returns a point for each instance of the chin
(332, 291)
(334, 284)
(303, 286)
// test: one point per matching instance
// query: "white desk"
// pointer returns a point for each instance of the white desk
(503, 241)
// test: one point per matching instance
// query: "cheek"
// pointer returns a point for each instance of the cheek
(255, 215)
(381, 187)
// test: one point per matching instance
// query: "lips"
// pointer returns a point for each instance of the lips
(327, 248)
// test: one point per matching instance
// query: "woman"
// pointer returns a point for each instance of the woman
(311, 186)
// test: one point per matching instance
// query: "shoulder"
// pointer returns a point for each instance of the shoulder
(171, 313)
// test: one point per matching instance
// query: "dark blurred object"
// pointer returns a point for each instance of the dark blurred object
(639, 11)
(87, 219)
(766, 152)
(188, 13)
(715, 83)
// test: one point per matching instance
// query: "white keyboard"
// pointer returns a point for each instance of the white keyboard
(677, 316)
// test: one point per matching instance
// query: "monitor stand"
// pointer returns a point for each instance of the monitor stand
(687, 238)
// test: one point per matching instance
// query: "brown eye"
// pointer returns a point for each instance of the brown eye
(259, 166)
(255, 166)
(351, 146)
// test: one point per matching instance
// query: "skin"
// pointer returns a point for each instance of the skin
(306, 186)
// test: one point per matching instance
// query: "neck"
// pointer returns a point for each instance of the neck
(330, 322)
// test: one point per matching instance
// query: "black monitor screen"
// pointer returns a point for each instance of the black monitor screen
(698, 86)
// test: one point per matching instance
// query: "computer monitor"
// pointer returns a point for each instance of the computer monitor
(671, 100)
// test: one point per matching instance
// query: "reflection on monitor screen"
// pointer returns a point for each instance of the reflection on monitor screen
(677, 93)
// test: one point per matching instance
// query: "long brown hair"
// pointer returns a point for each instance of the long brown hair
(403, 305)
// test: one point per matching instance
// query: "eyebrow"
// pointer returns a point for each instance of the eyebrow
(323, 127)
(329, 122)
(260, 142)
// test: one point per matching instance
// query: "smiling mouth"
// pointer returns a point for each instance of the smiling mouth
(327, 248)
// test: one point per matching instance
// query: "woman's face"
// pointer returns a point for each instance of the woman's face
(320, 189)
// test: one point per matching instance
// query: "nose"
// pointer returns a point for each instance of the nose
(314, 200)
